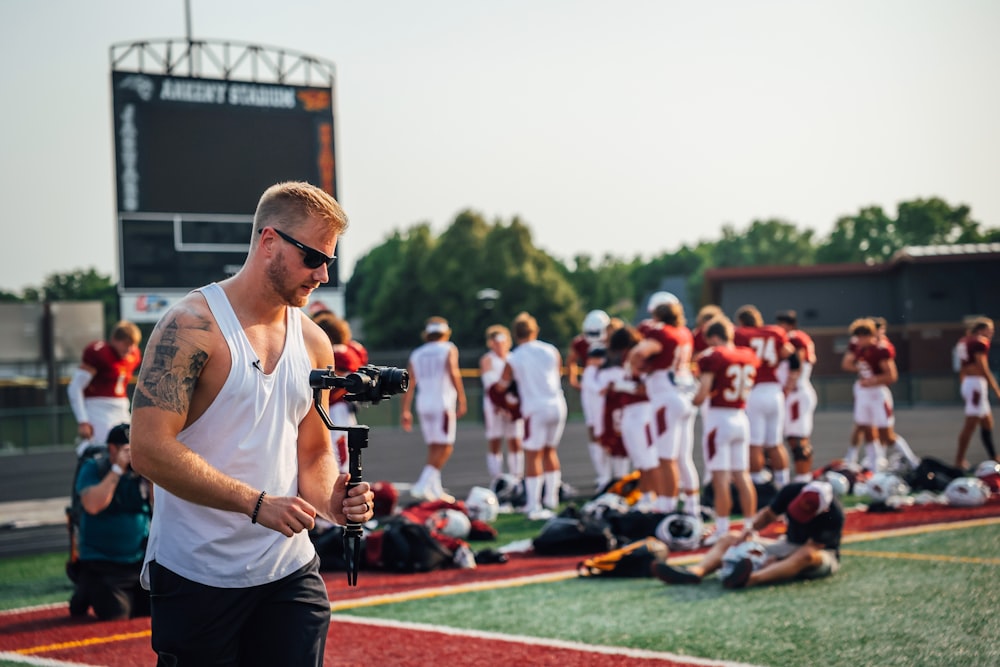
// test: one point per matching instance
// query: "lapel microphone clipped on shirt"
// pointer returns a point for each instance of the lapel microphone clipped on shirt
(256, 364)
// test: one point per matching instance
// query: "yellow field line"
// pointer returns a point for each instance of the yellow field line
(80, 643)
(928, 557)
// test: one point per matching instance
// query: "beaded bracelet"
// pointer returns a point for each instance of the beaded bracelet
(260, 499)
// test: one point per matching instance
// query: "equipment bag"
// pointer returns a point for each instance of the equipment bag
(632, 560)
(568, 536)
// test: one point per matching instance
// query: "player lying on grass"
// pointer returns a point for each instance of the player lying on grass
(809, 550)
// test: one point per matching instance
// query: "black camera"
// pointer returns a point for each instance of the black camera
(368, 384)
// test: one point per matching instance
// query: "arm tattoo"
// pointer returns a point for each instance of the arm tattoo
(170, 381)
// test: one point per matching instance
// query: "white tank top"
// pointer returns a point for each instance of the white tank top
(493, 375)
(249, 432)
(435, 392)
(535, 365)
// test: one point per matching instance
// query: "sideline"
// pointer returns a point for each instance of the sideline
(641, 654)
(441, 591)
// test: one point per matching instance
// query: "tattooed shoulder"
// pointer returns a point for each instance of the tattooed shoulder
(175, 357)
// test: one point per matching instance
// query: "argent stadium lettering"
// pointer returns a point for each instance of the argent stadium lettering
(262, 96)
(178, 90)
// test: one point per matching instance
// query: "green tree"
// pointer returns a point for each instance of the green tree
(606, 285)
(79, 285)
(932, 221)
(764, 243)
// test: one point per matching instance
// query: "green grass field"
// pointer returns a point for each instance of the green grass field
(928, 598)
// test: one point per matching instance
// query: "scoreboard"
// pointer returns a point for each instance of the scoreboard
(192, 157)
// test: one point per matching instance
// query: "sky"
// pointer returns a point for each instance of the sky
(629, 128)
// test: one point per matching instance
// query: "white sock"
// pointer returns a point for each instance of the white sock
(494, 464)
(515, 464)
(553, 481)
(601, 461)
(874, 456)
(533, 493)
(781, 477)
(692, 503)
(665, 504)
(803, 477)
(758, 477)
(903, 447)
(426, 475)
(721, 525)
(852, 454)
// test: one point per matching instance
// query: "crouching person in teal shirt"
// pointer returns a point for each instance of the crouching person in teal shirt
(114, 526)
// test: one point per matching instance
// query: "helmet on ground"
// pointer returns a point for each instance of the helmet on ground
(987, 468)
(595, 325)
(509, 489)
(386, 497)
(755, 551)
(658, 299)
(450, 522)
(966, 492)
(681, 532)
(604, 503)
(482, 504)
(884, 485)
(839, 482)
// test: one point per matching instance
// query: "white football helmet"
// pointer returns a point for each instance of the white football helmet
(658, 299)
(966, 492)
(680, 532)
(838, 481)
(595, 325)
(884, 485)
(482, 504)
(450, 522)
(755, 551)
(604, 503)
(987, 468)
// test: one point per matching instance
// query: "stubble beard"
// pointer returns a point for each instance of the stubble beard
(277, 275)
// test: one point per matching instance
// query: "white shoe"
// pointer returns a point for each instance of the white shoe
(419, 491)
(540, 515)
(710, 539)
(446, 497)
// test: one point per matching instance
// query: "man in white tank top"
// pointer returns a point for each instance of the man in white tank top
(223, 425)
(440, 403)
(536, 366)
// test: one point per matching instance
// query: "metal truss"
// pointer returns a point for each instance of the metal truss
(228, 60)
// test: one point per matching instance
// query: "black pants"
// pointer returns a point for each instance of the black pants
(281, 623)
(112, 589)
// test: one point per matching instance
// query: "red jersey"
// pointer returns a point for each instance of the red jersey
(112, 373)
(767, 341)
(970, 346)
(698, 339)
(733, 370)
(346, 359)
(869, 359)
(579, 349)
(801, 341)
(676, 344)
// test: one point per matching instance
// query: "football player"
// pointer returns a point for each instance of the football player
(976, 380)
(536, 366)
(726, 376)
(500, 424)
(800, 395)
(665, 353)
(98, 390)
(766, 404)
(581, 367)
(440, 402)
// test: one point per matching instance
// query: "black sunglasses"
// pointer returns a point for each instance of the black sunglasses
(312, 258)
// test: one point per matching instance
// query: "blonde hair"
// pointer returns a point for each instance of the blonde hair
(436, 323)
(337, 329)
(525, 326)
(496, 329)
(125, 330)
(863, 326)
(749, 316)
(709, 312)
(291, 203)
